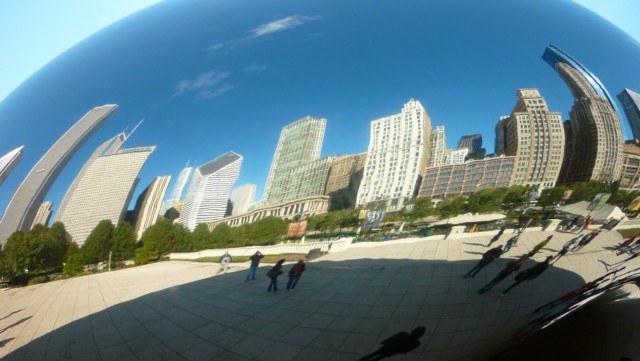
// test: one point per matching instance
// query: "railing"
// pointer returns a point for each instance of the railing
(284, 248)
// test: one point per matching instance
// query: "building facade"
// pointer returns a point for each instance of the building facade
(299, 208)
(630, 176)
(467, 178)
(24, 204)
(300, 143)
(178, 189)
(630, 101)
(473, 143)
(397, 156)
(8, 162)
(535, 137)
(344, 180)
(596, 144)
(209, 190)
(43, 215)
(149, 205)
(242, 198)
(456, 156)
(104, 191)
(438, 147)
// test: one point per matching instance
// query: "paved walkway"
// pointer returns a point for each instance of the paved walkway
(344, 305)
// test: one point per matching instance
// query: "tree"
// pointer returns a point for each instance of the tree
(422, 207)
(96, 248)
(586, 191)
(182, 239)
(267, 230)
(159, 237)
(220, 236)
(551, 196)
(516, 197)
(202, 238)
(451, 206)
(123, 243)
(485, 200)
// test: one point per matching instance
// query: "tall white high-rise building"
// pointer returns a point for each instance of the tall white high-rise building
(8, 162)
(109, 147)
(397, 157)
(299, 144)
(177, 190)
(104, 191)
(26, 200)
(438, 147)
(209, 190)
(149, 204)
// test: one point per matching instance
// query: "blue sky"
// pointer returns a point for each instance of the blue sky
(230, 82)
(48, 28)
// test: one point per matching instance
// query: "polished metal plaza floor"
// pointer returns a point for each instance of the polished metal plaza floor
(345, 304)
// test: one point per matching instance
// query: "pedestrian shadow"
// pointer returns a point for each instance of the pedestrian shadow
(14, 324)
(6, 341)
(400, 343)
(12, 313)
(472, 252)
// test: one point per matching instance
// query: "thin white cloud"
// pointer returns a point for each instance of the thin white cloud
(202, 81)
(255, 68)
(283, 24)
(214, 93)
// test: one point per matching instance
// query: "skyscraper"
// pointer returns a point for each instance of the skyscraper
(594, 151)
(149, 204)
(535, 137)
(300, 143)
(24, 204)
(109, 147)
(397, 157)
(209, 190)
(8, 162)
(242, 198)
(344, 180)
(104, 191)
(43, 215)
(631, 104)
(178, 189)
(501, 131)
(438, 147)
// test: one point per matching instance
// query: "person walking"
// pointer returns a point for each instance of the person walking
(529, 274)
(510, 243)
(224, 262)
(497, 236)
(511, 267)
(568, 247)
(255, 262)
(294, 274)
(488, 257)
(540, 245)
(273, 273)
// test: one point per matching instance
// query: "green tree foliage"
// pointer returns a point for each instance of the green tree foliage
(41, 250)
(485, 200)
(585, 191)
(182, 239)
(551, 196)
(99, 242)
(73, 265)
(450, 207)
(516, 197)
(267, 230)
(159, 237)
(221, 236)
(201, 237)
(123, 242)
(422, 207)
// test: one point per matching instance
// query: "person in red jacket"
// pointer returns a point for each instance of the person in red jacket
(294, 274)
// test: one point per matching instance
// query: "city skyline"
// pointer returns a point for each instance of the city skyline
(212, 84)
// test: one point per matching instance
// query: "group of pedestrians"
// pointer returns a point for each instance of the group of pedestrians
(294, 273)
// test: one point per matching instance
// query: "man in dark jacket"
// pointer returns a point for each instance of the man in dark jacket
(255, 262)
(294, 274)
(529, 274)
(487, 258)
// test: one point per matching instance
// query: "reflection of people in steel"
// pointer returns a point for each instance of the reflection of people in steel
(401, 342)
(587, 239)
(510, 243)
(529, 274)
(568, 247)
(511, 267)
(540, 245)
(497, 236)
(487, 258)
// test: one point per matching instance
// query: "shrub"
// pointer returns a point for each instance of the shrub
(74, 265)
(144, 256)
(37, 280)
